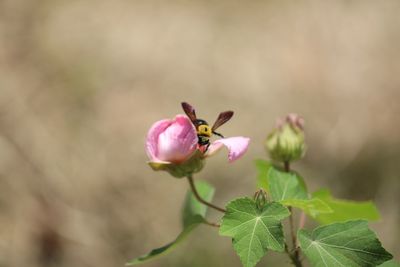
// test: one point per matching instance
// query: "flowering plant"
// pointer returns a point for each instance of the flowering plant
(172, 145)
(343, 238)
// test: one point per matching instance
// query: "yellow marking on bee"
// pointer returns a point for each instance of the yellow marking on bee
(204, 130)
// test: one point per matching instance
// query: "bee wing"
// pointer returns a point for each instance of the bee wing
(222, 118)
(189, 110)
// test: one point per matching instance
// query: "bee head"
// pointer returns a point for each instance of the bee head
(203, 128)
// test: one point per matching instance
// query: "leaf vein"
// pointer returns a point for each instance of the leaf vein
(251, 241)
(330, 255)
(279, 245)
(354, 249)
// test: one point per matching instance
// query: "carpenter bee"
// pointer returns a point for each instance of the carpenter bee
(204, 131)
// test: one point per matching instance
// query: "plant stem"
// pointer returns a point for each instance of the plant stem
(212, 224)
(295, 256)
(296, 253)
(302, 220)
(287, 166)
(198, 197)
(296, 262)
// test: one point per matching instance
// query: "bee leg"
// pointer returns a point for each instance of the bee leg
(208, 145)
(220, 135)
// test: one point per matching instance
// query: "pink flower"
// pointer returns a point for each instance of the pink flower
(171, 141)
(174, 142)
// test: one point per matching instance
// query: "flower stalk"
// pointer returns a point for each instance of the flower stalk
(295, 255)
(199, 198)
(286, 144)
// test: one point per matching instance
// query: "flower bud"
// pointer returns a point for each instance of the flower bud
(286, 142)
(172, 141)
(172, 146)
(260, 198)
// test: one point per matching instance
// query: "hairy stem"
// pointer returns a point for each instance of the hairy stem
(198, 197)
(295, 255)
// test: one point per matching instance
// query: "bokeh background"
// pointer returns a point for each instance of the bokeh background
(81, 82)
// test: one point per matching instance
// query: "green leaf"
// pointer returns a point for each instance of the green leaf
(262, 168)
(391, 263)
(193, 215)
(345, 244)
(285, 185)
(288, 188)
(254, 230)
(166, 248)
(344, 210)
(312, 207)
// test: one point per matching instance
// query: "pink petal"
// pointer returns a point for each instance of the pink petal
(295, 120)
(237, 146)
(152, 138)
(178, 141)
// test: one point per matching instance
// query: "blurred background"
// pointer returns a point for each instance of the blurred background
(81, 82)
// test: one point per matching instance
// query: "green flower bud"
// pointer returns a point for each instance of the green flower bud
(193, 165)
(261, 198)
(286, 142)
